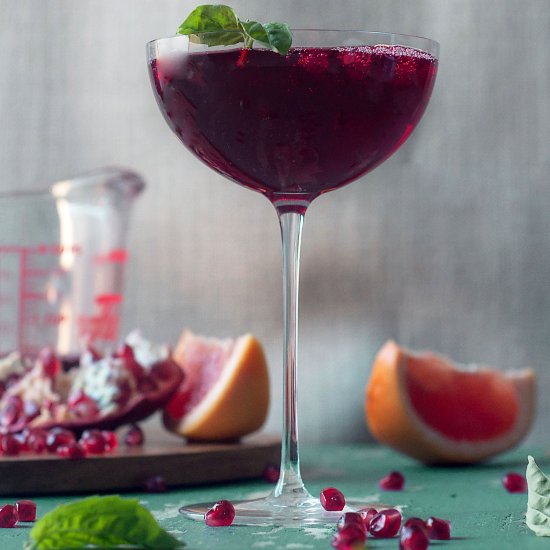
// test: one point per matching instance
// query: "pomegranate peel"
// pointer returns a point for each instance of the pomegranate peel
(425, 406)
(97, 393)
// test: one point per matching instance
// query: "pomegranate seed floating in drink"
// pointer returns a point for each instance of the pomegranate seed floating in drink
(221, 514)
(332, 499)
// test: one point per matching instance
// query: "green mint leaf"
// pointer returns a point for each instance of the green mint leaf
(538, 500)
(102, 522)
(218, 25)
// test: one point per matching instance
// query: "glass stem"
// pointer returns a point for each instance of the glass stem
(290, 481)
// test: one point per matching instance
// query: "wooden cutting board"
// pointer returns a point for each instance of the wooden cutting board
(126, 469)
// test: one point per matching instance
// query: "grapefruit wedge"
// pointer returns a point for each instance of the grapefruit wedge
(225, 391)
(425, 406)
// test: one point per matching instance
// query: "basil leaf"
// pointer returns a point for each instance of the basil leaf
(280, 36)
(210, 18)
(254, 31)
(102, 522)
(537, 517)
(218, 25)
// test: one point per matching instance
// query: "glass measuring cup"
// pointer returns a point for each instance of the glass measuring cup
(62, 262)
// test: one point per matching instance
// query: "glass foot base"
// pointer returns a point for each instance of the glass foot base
(278, 511)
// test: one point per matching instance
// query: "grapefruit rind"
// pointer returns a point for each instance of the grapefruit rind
(393, 421)
(237, 403)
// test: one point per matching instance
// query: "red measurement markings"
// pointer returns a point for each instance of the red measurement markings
(48, 319)
(114, 256)
(40, 249)
(103, 325)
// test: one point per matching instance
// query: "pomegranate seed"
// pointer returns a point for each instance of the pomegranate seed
(367, 514)
(394, 481)
(111, 440)
(414, 537)
(11, 411)
(332, 499)
(36, 441)
(57, 437)
(21, 438)
(416, 522)
(221, 514)
(8, 515)
(49, 362)
(271, 473)
(514, 482)
(438, 529)
(71, 450)
(155, 484)
(9, 445)
(385, 524)
(351, 536)
(31, 409)
(26, 510)
(134, 436)
(92, 442)
(126, 353)
(351, 518)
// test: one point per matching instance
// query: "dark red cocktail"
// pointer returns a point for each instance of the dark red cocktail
(300, 124)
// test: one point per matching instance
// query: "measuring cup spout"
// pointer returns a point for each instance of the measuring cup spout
(112, 182)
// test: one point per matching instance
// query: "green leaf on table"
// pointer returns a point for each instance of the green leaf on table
(538, 500)
(100, 522)
(218, 25)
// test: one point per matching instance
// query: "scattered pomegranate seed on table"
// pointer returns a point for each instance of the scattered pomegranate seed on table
(221, 514)
(366, 515)
(9, 445)
(514, 482)
(134, 436)
(414, 536)
(349, 537)
(386, 523)
(71, 450)
(26, 510)
(57, 437)
(111, 440)
(155, 484)
(271, 473)
(438, 529)
(394, 481)
(93, 442)
(332, 499)
(8, 516)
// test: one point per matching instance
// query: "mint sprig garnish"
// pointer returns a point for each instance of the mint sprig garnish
(218, 25)
(100, 522)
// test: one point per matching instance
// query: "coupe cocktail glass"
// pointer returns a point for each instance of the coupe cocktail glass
(293, 127)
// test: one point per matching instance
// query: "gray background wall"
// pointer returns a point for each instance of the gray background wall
(446, 246)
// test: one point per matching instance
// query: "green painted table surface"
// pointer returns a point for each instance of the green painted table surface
(483, 514)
